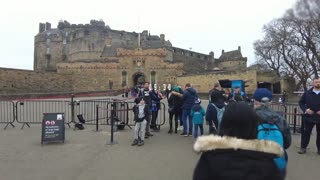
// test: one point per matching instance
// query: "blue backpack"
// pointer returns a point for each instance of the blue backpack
(271, 132)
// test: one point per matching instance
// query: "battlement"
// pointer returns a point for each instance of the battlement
(93, 24)
(185, 52)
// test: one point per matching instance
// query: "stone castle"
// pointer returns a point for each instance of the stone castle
(94, 57)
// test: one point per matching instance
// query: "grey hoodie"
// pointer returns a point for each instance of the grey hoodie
(268, 115)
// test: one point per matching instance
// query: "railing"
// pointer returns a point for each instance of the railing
(292, 114)
(95, 112)
(31, 112)
(7, 113)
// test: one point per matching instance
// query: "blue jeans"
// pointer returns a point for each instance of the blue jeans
(185, 115)
(195, 133)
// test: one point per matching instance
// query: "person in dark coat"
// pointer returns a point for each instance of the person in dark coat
(262, 102)
(141, 111)
(187, 98)
(217, 89)
(174, 104)
(145, 94)
(217, 103)
(156, 97)
(236, 154)
(310, 106)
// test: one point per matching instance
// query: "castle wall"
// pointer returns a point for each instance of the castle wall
(91, 76)
(47, 51)
(233, 65)
(203, 83)
(267, 77)
(96, 76)
(71, 43)
(86, 47)
(15, 81)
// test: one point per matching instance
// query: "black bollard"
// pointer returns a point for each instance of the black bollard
(112, 142)
(72, 108)
(97, 118)
(295, 120)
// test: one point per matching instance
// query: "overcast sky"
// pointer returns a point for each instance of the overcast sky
(203, 25)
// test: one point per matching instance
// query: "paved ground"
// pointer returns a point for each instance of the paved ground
(86, 156)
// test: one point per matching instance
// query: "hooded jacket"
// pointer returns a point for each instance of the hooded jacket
(174, 102)
(136, 113)
(188, 98)
(197, 113)
(229, 158)
(268, 115)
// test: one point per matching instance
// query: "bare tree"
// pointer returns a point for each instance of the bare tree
(291, 45)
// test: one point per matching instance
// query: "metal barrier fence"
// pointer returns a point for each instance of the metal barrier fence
(291, 113)
(88, 109)
(95, 112)
(31, 112)
(7, 113)
(123, 112)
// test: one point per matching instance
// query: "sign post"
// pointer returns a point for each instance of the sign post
(53, 129)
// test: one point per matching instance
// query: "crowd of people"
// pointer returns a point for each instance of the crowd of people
(246, 132)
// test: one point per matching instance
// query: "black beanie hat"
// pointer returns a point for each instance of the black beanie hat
(239, 120)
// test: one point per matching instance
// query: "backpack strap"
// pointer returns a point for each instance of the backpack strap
(214, 106)
(269, 129)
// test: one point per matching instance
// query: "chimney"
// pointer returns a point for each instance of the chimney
(222, 51)
(48, 26)
(162, 37)
(211, 54)
(42, 27)
(239, 48)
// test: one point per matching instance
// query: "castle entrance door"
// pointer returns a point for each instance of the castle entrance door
(138, 78)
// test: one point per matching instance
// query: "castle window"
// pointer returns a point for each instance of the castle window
(124, 78)
(74, 35)
(153, 77)
(48, 41)
(86, 32)
(191, 54)
(48, 52)
(92, 46)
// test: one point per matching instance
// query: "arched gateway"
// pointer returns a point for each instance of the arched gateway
(138, 78)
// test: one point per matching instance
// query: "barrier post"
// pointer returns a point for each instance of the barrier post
(294, 120)
(113, 113)
(97, 118)
(72, 108)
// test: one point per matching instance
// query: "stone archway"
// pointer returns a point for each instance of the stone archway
(138, 78)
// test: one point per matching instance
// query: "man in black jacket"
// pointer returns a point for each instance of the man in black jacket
(216, 89)
(310, 106)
